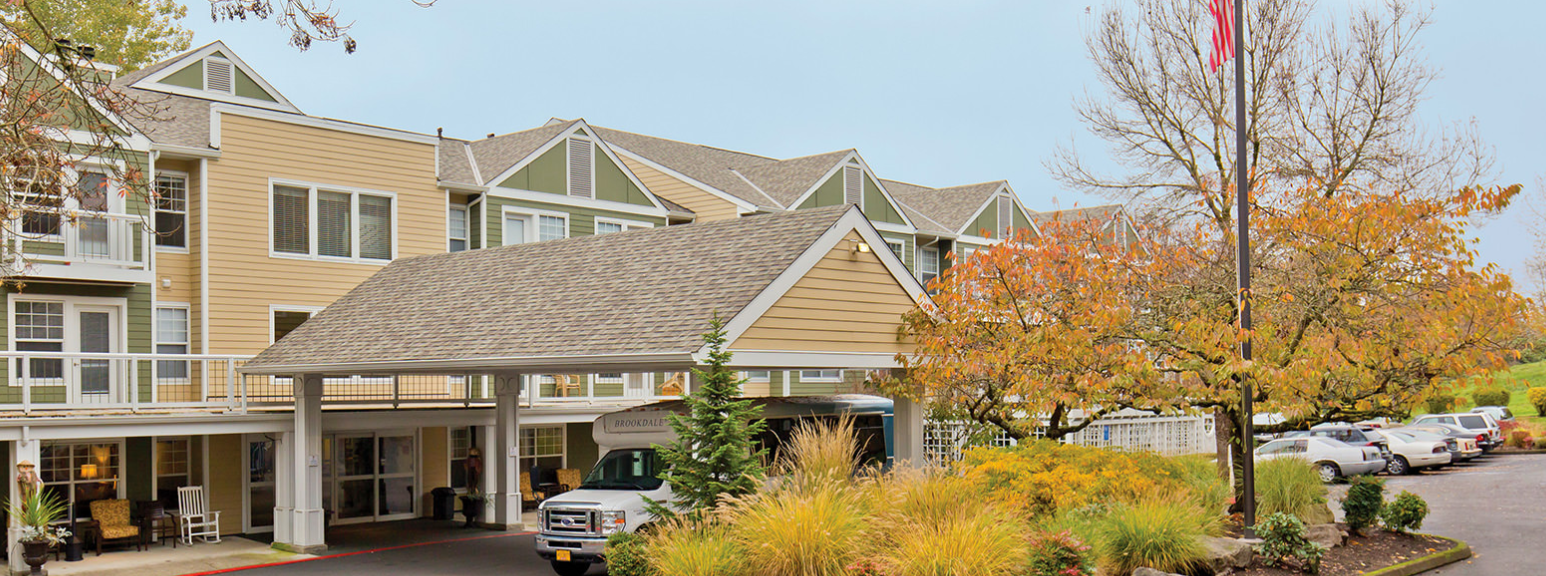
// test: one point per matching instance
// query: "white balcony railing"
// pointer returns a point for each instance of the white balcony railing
(55, 382)
(93, 246)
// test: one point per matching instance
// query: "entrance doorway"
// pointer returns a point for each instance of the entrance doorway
(374, 476)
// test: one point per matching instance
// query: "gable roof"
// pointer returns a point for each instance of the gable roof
(409, 315)
(496, 155)
(953, 207)
(715, 167)
(150, 79)
(1102, 212)
(788, 180)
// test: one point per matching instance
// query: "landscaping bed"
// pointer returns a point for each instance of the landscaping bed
(1361, 555)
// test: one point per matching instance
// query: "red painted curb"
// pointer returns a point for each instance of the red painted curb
(356, 553)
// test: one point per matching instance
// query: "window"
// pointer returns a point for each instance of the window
(171, 338)
(40, 328)
(519, 228)
(43, 218)
(463, 440)
(172, 210)
(287, 320)
(456, 228)
(172, 469)
(579, 167)
(757, 375)
(79, 473)
(928, 264)
(897, 247)
(542, 447)
(309, 221)
(608, 226)
(821, 375)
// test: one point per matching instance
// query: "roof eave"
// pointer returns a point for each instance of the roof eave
(638, 362)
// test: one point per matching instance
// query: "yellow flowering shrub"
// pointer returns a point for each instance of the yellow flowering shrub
(1043, 477)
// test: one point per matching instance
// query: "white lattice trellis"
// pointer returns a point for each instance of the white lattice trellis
(1173, 435)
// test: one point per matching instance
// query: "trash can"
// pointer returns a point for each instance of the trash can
(444, 502)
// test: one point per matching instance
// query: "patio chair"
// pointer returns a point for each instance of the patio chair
(529, 498)
(568, 479)
(194, 516)
(112, 523)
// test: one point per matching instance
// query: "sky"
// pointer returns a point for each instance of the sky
(937, 93)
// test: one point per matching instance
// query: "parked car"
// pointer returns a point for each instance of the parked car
(1499, 413)
(1332, 458)
(1455, 446)
(1469, 447)
(1355, 435)
(1411, 452)
(1489, 434)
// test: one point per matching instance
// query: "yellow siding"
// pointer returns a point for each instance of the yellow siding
(706, 206)
(435, 469)
(244, 279)
(753, 388)
(846, 303)
(224, 489)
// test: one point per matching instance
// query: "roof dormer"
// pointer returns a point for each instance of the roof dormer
(214, 72)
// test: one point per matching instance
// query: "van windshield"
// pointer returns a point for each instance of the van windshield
(633, 469)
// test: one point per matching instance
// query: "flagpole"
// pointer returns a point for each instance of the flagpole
(1243, 274)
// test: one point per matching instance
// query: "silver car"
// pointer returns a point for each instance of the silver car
(1489, 435)
(1332, 458)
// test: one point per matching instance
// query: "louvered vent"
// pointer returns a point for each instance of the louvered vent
(579, 167)
(853, 185)
(218, 75)
(1005, 213)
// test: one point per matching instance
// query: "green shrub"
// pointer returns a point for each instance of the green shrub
(1364, 499)
(1291, 486)
(1057, 554)
(691, 548)
(1495, 396)
(1405, 513)
(625, 555)
(1282, 538)
(1440, 403)
(1537, 398)
(1164, 534)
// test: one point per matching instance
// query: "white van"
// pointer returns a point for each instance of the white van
(573, 526)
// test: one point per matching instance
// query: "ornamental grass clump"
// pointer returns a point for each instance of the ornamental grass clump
(687, 547)
(814, 529)
(820, 451)
(1405, 513)
(1160, 533)
(1361, 507)
(987, 542)
(1291, 486)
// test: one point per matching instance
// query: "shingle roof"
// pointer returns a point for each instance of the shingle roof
(497, 154)
(455, 165)
(786, 180)
(171, 119)
(1102, 212)
(136, 75)
(716, 167)
(953, 207)
(580, 296)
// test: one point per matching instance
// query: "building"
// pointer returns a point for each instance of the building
(126, 327)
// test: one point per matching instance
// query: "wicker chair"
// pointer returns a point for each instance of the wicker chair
(568, 479)
(112, 518)
(529, 498)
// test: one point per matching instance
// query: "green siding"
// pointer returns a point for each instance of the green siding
(909, 245)
(139, 319)
(797, 387)
(191, 76)
(830, 193)
(139, 467)
(246, 87)
(985, 220)
(876, 207)
(608, 389)
(582, 450)
(582, 221)
(612, 184)
(1021, 221)
(545, 174)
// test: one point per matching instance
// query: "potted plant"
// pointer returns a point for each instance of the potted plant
(35, 515)
(472, 506)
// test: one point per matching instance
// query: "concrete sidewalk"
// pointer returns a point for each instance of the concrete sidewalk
(231, 552)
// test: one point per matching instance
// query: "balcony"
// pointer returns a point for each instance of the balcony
(71, 383)
(85, 247)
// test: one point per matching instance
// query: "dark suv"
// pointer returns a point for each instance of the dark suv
(1355, 435)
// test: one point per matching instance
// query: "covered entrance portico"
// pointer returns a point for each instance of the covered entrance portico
(813, 289)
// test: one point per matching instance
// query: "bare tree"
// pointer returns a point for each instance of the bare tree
(1333, 100)
(307, 20)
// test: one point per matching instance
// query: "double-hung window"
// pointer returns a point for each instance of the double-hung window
(896, 246)
(456, 228)
(172, 468)
(542, 446)
(928, 264)
(462, 440)
(172, 338)
(521, 228)
(40, 208)
(322, 222)
(172, 210)
(40, 328)
(821, 375)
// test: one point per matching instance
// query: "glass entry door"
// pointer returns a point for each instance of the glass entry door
(94, 377)
(375, 476)
(260, 464)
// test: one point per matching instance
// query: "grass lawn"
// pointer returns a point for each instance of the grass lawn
(1516, 380)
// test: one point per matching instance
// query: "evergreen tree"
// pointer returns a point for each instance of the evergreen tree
(712, 455)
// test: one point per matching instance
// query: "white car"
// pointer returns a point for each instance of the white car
(1489, 434)
(1332, 458)
(1413, 450)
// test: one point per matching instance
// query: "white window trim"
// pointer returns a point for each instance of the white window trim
(311, 225)
(563, 445)
(466, 225)
(156, 339)
(272, 308)
(205, 70)
(839, 377)
(533, 231)
(919, 259)
(71, 323)
(187, 214)
(626, 224)
(155, 464)
(750, 378)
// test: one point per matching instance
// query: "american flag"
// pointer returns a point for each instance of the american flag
(1223, 32)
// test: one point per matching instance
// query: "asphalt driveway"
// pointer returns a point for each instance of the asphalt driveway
(498, 554)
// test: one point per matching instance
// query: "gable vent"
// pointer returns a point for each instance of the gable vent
(218, 75)
(579, 167)
(853, 185)
(1005, 213)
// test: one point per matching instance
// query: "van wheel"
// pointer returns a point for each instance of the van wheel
(1328, 471)
(1398, 466)
(571, 568)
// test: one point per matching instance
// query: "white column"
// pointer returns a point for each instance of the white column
(284, 486)
(907, 431)
(305, 517)
(504, 461)
(30, 450)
